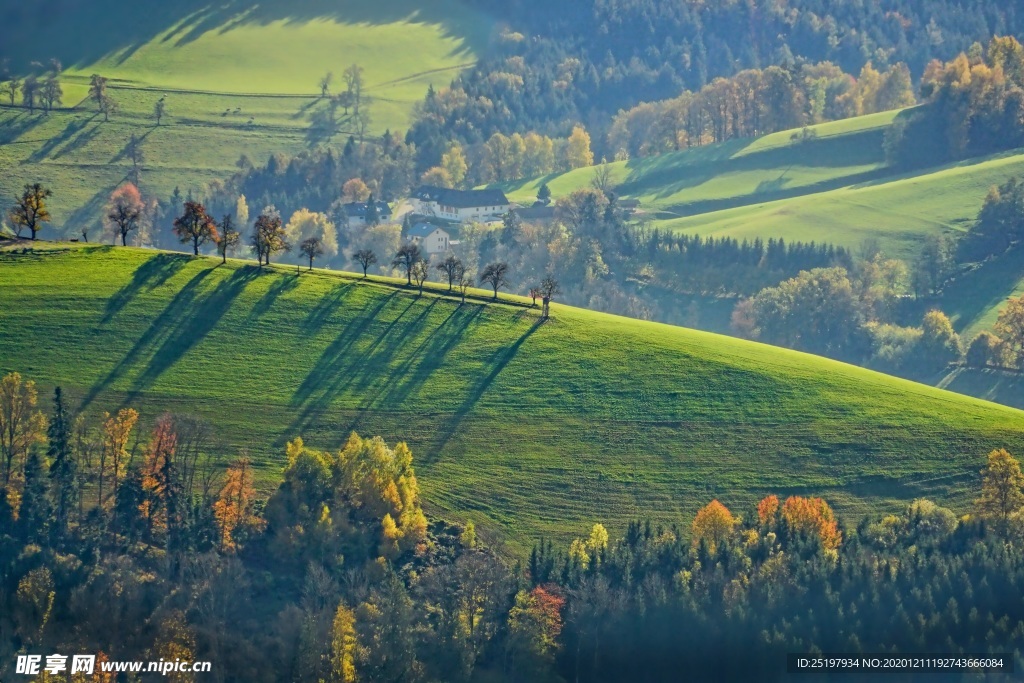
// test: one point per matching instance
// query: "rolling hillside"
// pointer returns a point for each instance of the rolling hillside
(527, 428)
(833, 187)
(238, 78)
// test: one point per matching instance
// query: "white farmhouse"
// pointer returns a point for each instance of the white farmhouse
(432, 239)
(460, 206)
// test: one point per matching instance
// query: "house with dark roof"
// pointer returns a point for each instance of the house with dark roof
(432, 239)
(356, 212)
(460, 206)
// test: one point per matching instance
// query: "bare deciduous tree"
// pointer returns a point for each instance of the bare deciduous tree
(407, 257)
(452, 268)
(496, 275)
(365, 258)
(420, 271)
(311, 248)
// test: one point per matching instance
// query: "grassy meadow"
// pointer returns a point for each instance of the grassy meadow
(239, 78)
(832, 187)
(528, 428)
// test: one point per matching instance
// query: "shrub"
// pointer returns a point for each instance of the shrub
(986, 349)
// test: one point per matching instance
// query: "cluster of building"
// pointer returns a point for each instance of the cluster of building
(443, 205)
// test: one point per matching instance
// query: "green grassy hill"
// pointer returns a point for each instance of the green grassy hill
(834, 187)
(526, 428)
(239, 78)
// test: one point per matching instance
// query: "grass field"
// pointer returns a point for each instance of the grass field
(834, 187)
(527, 428)
(239, 78)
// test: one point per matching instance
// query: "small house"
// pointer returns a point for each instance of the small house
(356, 212)
(432, 239)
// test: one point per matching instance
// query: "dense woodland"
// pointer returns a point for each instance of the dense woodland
(974, 106)
(140, 538)
(583, 61)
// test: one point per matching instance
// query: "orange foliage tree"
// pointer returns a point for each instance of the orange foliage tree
(814, 516)
(768, 509)
(158, 477)
(535, 624)
(233, 509)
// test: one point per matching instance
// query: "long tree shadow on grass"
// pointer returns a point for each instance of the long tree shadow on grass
(82, 138)
(318, 381)
(70, 130)
(974, 293)
(151, 274)
(283, 285)
(359, 370)
(202, 317)
(13, 128)
(368, 372)
(116, 30)
(392, 389)
(186, 319)
(325, 307)
(499, 360)
(172, 315)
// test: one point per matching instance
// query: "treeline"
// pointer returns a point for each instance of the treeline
(975, 106)
(144, 546)
(40, 88)
(727, 266)
(852, 315)
(757, 102)
(510, 157)
(583, 61)
(314, 179)
(1000, 224)
(731, 598)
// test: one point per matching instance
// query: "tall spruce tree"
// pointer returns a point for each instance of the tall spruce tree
(34, 516)
(63, 468)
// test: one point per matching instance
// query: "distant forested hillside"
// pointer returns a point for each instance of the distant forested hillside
(583, 60)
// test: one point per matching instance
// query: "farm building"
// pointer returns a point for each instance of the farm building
(460, 205)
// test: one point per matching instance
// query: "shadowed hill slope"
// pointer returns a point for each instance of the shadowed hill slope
(527, 427)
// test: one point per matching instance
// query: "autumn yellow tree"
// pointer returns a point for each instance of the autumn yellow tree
(437, 176)
(364, 496)
(538, 155)
(158, 477)
(33, 605)
(344, 645)
(454, 163)
(242, 210)
(305, 224)
(117, 430)
(355, 190)
(175, 641)
(582, 552)
(21, 425)
(577, 150)
(1002, 488)
(768, 509)
(535, 624)
(713, 525)
(1010, 327)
